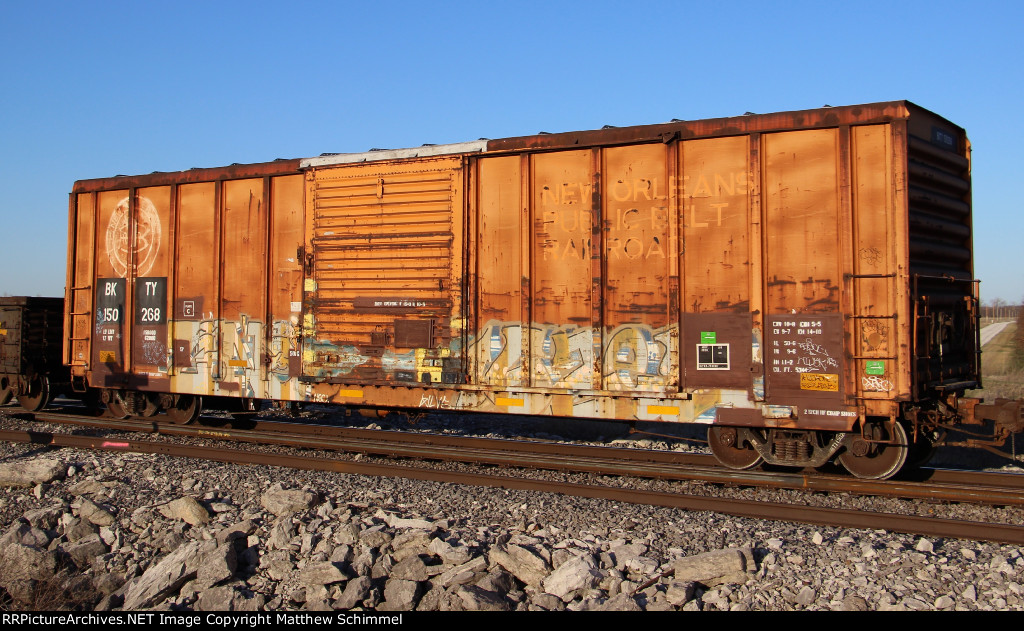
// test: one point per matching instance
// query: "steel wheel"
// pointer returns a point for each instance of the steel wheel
(115, 404)
(876, 460)
(150, 406)
(725, 443)
(185, 410)
(38, 394)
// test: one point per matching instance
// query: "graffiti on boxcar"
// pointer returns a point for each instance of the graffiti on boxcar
(816, 357)
(564, 357)
(148, 235)
(242, 354)
(154, 351)
(636, 356)
(442, 401)
(874, 337)
(561, 354)
(871, 256)
(284, 352)
(876, 384)
(202, 345)
(229, 353)
(392, 362)
(243, 346)
(757, 359)
(501, 352)
(334, 360)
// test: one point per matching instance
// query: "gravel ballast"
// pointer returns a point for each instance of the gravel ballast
(108, 531)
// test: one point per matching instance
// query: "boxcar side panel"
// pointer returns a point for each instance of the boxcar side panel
(803, 279)
(640, 241)
(111, 289)
(150, 267)
(718, 337)
(563, 330)
(243, 288)
(501, 220)
(195, 351)
(287, 214)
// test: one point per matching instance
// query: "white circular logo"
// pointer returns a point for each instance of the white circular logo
(147, 238)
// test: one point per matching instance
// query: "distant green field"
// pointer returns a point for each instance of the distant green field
(1002, 367)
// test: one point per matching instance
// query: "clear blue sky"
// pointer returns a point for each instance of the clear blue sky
(98, 89)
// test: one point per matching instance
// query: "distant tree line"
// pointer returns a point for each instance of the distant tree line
(998, 308)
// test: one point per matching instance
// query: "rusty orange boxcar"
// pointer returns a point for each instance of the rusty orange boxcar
(801, 282)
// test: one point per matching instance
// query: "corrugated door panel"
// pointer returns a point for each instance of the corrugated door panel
(499, 332)
(388, 272)
(804, 328)
(874, 265)
(562, 274)
(243, 287)
(716, 338)
(639, 242)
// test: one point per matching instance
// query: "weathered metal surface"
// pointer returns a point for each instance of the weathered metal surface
(384, 292)
(753, 270)
(189, 287)
(233, 172)
(832, 117)
(380, 155)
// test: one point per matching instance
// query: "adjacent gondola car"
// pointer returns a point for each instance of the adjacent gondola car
(31, 337)
(802, 282)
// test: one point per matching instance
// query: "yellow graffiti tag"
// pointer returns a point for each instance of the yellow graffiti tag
(819, 381)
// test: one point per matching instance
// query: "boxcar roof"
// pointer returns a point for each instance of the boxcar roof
(827, 116)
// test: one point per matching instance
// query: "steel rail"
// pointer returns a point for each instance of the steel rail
(993, 489)
(844, 518)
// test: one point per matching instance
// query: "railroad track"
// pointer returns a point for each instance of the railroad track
(951, 486)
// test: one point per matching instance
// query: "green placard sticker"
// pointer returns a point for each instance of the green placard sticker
(875, 367)
(708, 337)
